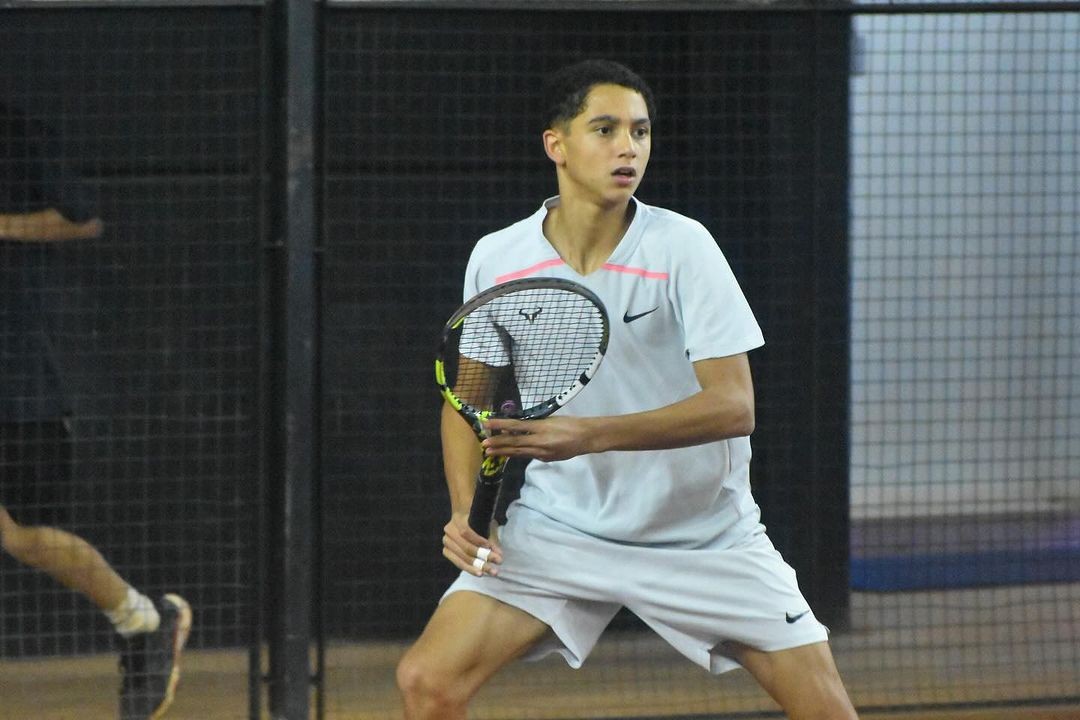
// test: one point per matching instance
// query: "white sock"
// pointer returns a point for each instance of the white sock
(136, 614)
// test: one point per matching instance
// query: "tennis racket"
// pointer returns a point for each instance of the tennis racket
(521, 350)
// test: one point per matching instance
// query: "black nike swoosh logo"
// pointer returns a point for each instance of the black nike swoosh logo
(628, 318)
(794, 618)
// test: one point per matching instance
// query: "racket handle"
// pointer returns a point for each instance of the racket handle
(483, 505)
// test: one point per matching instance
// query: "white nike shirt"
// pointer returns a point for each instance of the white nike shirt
(672, 300)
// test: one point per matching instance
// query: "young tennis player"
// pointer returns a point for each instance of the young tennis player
(42, 204)
(639, 493)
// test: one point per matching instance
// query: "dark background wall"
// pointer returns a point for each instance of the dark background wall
(430, 139)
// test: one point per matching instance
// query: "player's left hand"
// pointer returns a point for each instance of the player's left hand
(554, 438)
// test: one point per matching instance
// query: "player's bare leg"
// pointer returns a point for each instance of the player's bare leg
(65, 557)
(803, 680)
(468, 639)
(153, 634)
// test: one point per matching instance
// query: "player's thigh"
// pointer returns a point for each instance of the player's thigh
(803, 680)
(468, 639)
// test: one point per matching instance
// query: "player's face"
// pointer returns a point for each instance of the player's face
(604, 151)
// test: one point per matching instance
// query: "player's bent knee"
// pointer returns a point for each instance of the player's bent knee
(423, 685)
(408, 674)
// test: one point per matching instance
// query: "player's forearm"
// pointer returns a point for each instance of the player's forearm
(46, 226)
(707, 416)
(461, 458)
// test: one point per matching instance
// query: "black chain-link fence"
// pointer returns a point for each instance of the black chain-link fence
(894, 186)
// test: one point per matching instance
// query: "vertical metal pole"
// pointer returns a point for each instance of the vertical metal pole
(291, 578)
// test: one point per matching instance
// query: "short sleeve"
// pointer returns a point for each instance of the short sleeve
(716, 317)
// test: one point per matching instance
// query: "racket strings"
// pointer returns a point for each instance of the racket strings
(521, 350)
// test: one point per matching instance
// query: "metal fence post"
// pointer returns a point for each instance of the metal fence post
(295, 226)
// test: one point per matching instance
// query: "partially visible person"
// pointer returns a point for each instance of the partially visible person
(41, 203)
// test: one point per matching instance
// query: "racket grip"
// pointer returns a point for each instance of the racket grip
(483, 505)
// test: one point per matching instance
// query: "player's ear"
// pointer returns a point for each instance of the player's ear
(553, 146)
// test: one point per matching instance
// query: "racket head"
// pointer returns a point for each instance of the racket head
(521, 349)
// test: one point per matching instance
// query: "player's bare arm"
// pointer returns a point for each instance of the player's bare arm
(723, 408)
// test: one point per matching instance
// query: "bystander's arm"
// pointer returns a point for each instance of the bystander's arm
(47, 225)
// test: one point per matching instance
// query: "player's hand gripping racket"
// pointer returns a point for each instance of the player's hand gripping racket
(520, 350)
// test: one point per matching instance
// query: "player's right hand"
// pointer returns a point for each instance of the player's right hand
(467, 550)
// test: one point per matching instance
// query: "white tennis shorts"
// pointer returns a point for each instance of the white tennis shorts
(696, 599)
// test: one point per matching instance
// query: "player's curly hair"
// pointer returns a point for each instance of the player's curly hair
(566, 91)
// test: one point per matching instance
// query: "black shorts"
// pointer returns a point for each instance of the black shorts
(35, 471)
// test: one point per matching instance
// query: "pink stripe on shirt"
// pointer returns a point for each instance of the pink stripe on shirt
(647, 274)
(529, 270)
(533, 269)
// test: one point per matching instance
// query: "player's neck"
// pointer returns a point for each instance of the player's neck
(586, 235)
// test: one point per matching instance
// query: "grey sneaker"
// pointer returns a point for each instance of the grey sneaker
(150, 662)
